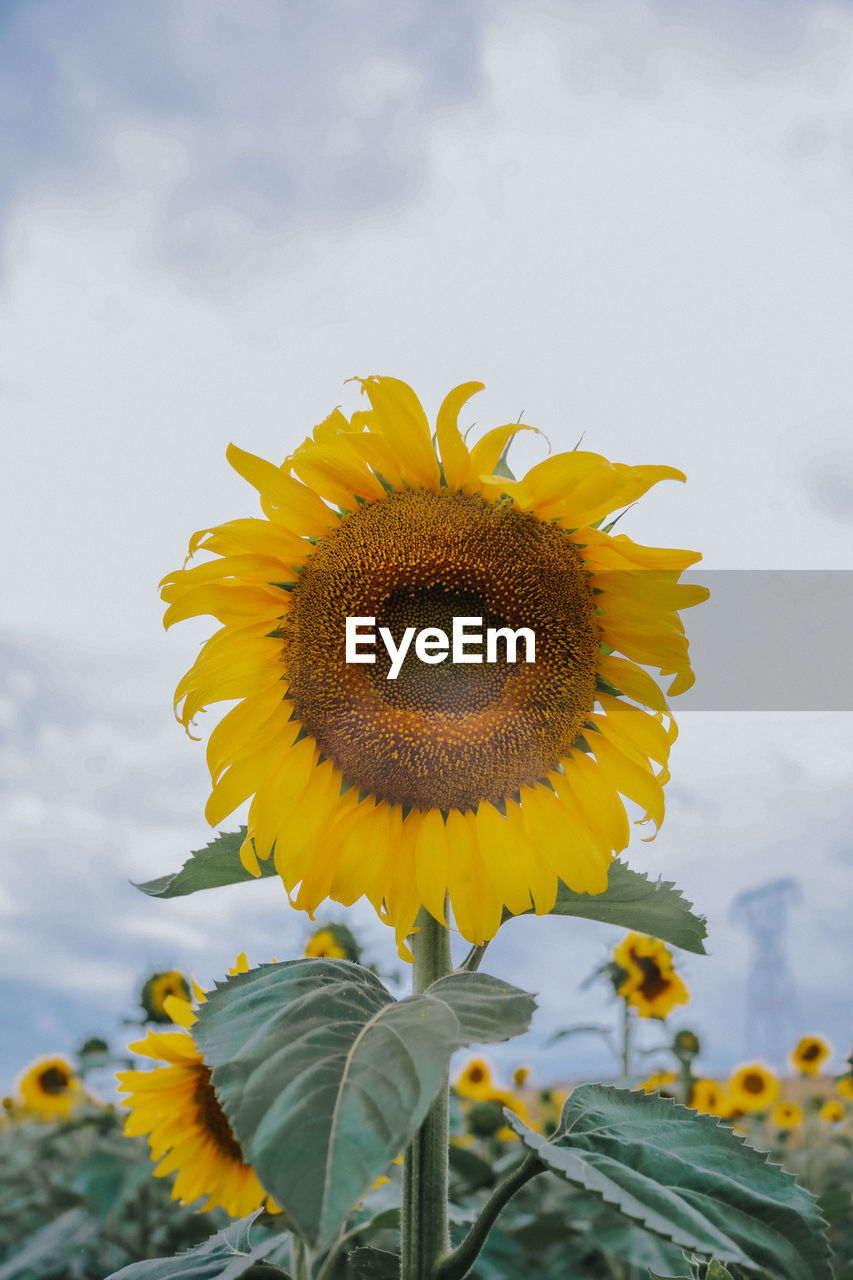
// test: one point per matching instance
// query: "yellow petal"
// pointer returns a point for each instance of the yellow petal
(451, 446)
(283, 498)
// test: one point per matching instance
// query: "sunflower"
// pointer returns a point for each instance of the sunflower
(157, 990)
(475, 1079)
(177, 1107)
(809, 1054)
(650, 985)
(333, 942)
(753, 1088)
(845, 1087)
(787, 1115)
(50, 1088)
(833, 1112)
(657, 1082)
(710, 1098)
(413, 780)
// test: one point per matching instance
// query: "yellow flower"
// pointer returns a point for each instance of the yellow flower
(333, 942)
(710, 1099)
(322, 943)
(809, 1054)
(833, 1112)
(657, 1082)
(177, 1107)
(845, 1087)
(651, 985)
(753, 1088)
(419, 778)
(787, 1115)
(157, 990)
(519, 1076)
(50, 1088)
(474, 1080)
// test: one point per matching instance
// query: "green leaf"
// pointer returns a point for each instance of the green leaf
(237, 1251)
(471, 1168)
(217, 864)
(325, 1078)
(686, 1178)
(378, 1264)
(50, 1246)
(632, 901)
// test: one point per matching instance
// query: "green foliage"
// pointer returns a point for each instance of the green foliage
(630, 900)
(686, 1178)
(325, 1077)
(79, 1188)
(238, 1251)
(375, 1264)
(633, 901)
(217, 864)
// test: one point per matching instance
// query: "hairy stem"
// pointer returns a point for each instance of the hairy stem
(458, 1264)
(626, 1039)
(424, 1223)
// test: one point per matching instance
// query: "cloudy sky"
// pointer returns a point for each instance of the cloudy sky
(629, 220)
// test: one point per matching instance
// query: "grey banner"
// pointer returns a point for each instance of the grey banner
(771, 640)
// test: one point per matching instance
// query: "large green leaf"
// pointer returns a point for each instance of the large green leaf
(217, 864)
(688, 1179)
(632, 901)
(325, 1077)
(236, 1252)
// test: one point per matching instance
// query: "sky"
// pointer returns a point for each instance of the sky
(632, 221)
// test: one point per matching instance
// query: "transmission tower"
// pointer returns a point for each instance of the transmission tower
(772, 1020)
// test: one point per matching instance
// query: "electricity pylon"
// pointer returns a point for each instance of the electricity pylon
(772, 1019)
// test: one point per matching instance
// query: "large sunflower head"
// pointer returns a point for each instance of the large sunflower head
(650, 984)
(809, 1054)
(50, 1088)
(177, 1107)
(439, 670)
(753, 1087)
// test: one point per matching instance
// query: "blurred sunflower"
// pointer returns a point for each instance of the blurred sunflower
(157, 990)
(474, 1080)
(651, 985)
(833, 1112)
(710, 1098)
(333, 942)
(485, 782)
(809, 1054)
(753, 1088)
(658, 1082)
(50, 1088)
(177, 1107)
(845, 1087)
(787, 1115)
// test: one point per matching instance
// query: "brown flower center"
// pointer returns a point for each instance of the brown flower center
(753, 1082)
(212, 1117)
(444, 734)
(54, 1080)
(654, 982)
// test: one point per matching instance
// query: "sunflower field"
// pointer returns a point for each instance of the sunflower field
(310, 1118)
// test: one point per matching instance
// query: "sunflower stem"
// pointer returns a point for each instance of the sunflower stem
(626, 1040)
(425, 1238)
